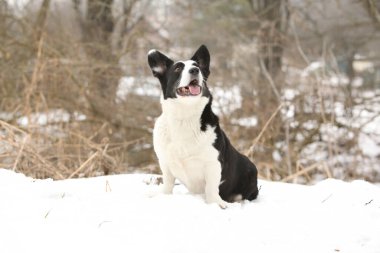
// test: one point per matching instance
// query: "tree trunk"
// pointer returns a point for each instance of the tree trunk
(274, 17)
(41, 21)
(97, 29)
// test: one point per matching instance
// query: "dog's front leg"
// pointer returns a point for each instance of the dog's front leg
(168, 180)
(213, 177)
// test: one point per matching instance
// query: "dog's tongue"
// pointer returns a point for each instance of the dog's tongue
(194, 89)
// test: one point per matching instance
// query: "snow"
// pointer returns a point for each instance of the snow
(313, 66)
(276, 156)
(368, 145)
(245, 121)
(359, 125)
(50, 117)
(146, 86)
(362, 65)
(118, 214)
(18, 4)
(226, 99)
(365, 117)
(289, 94)
(316, 150)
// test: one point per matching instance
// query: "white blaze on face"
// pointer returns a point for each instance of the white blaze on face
(158, 69)
(186, 77)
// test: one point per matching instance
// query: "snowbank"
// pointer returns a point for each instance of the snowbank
(115, 214)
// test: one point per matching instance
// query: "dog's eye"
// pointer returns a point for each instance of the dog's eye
(177, 69)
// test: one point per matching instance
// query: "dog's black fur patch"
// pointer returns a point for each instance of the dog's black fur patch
(239, 174)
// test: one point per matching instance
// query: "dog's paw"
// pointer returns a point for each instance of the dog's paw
(221, 203)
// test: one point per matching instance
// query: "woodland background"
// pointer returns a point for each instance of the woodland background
(296, 83)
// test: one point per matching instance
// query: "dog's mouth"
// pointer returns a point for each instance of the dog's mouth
(193, 89)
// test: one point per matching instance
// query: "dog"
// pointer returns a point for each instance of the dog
(187, 138)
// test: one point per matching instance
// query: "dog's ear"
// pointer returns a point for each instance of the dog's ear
(159, 63)
(202, 57)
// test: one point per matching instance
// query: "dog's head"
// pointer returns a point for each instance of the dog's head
(184, 80)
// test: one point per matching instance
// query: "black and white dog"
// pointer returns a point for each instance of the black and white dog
(187, 138)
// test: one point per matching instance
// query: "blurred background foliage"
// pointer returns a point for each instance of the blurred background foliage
(296, 83)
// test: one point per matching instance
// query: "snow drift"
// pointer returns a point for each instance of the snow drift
(116, 214)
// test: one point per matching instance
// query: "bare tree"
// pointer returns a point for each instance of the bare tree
(373, 8)
(104, 37)
(273, 16)
(41, 21)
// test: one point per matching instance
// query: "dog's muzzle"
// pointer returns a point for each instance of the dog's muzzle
(193, 89)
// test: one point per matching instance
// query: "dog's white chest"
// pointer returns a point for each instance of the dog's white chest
(186, 151)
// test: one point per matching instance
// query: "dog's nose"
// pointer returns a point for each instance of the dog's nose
(194, 71)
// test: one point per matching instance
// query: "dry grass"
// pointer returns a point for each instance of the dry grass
(44, 156)
(57, 77)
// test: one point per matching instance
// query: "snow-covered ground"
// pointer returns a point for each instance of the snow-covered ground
(118, 214)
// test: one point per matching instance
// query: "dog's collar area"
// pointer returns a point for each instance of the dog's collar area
(193, 89)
